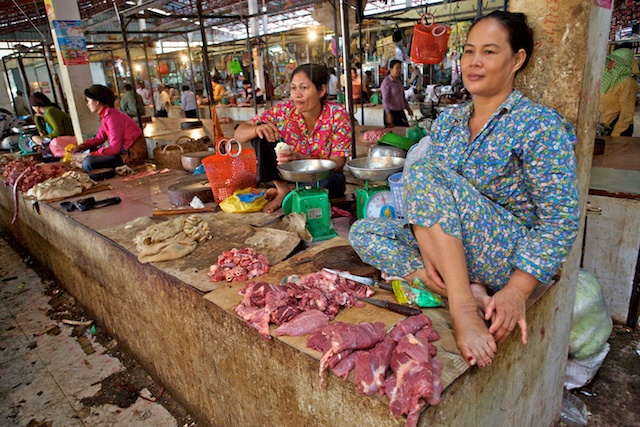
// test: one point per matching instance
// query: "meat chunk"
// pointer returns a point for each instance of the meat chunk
(371, 367)
(239, 265)
(304, 323)
(410, 325)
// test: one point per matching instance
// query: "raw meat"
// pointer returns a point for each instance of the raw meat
(346, 365)
(304, 324)
(371, 367)
(346, 336)
(410, 325)
(326, 293)
(239, 265)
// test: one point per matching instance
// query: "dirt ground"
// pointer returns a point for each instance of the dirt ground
(612, 398)
(123, 388)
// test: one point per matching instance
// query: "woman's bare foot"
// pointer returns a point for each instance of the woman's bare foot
(281, 190)
(477, 345)
(479, 292)
(273, 205)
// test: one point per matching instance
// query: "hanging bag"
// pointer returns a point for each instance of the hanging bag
(429, 43)
(229, 171)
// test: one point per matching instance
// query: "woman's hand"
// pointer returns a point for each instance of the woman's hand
(507, 308)
(433, 275)
(78, 148)
(288, 156)
(267, 131)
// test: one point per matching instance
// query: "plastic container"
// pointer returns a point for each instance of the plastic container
(399, 141)
(396, 184)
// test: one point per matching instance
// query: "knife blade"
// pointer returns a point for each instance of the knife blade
(269, 221)
(364, 280)
(392, 306)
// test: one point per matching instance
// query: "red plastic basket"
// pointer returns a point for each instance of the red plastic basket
(228, 172)
(429, 43)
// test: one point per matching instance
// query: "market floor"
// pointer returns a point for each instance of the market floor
(57, 368)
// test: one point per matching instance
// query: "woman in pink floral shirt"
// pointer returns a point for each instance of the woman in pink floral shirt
(313, 127)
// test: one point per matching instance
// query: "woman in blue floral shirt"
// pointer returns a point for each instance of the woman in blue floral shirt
(493, 208)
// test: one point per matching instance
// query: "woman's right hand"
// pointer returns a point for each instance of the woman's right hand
(78, 148)
(267, 131)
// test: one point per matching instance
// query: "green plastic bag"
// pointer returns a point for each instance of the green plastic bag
(234, 67)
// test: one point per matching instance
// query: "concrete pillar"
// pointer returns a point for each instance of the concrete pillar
(565, 73)
(6, 101)
(75, 78)
(256, 54)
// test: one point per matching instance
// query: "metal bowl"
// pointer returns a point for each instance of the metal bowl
(386, 151)
(307, 170)
(375, 168)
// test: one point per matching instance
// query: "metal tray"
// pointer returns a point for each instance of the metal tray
(307, 170)
(375, 168)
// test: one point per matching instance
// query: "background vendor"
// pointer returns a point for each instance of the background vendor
(313, 127)
(50, 120)
(493, 208)
(619, 89)
(119, 140)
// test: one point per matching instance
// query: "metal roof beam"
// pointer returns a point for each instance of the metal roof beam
(128, 12)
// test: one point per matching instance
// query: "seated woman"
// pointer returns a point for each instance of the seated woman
(315, 128)
(125, 141)
(51, 121)
(249, 95)
(619, 89)
(493, 207)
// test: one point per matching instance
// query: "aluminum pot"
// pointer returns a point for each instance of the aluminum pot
(190, 161)
(386, 151)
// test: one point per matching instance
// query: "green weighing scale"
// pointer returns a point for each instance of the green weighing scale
(375, 201)
(307, 198)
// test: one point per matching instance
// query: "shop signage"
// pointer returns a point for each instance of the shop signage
(71, 42)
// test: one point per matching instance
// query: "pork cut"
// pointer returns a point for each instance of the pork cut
(371, 367)
(410, 325)
(304, 324)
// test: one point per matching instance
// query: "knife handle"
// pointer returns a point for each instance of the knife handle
(402, 309)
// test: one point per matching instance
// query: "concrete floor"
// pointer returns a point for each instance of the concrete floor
(44, 376)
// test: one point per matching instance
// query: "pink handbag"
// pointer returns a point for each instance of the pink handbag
(58, 144)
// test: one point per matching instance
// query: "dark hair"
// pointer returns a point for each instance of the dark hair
(246, 82)
(393, 63)
(185, 87)
(19, 92)
(317, 73)
(520, 34)
(102, 94)
(128, 86)
(39, 99)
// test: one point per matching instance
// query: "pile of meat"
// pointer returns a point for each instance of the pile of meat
(25, 173)
(305, 304)
(239, 265)
(401, 366)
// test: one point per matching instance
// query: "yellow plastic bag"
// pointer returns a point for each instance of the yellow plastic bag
(234, 204)
(68, 157)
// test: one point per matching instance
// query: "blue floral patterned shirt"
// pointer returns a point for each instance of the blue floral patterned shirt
(523, 160)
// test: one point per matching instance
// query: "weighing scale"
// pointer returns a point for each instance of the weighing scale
(308, 198)
(375, 201)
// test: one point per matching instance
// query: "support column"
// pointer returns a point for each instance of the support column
(75, 78)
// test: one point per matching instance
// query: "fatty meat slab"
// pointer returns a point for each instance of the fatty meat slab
(264, 303)
(239, 265)
(305, 323)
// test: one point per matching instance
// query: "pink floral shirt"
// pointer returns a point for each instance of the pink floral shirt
(331, 137)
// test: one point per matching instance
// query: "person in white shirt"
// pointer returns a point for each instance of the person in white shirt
(144, 93)
(161, 102)
(188, 103)
(332, 87)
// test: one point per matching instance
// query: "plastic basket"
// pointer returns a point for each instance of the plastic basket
(227, 171)
(429, 43)
(396, 183)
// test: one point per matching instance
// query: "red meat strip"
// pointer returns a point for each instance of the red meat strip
(346, 365)
(304, 323)
(410, 325)
(416, 379)
(260, 301)
(346, 336)
(371, 367)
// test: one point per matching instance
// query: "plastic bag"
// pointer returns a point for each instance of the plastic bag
(591, 324)
(416, 153)
(574, 411)
(59, 144)
(233, 203)
(580, 372)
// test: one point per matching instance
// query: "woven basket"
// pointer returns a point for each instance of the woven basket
(169, 156)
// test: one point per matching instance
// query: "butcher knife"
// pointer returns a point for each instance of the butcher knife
(364, 280)
(392, 306)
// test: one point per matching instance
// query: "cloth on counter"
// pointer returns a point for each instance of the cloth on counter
(297, 223)
(69, 184)
(171, 239)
